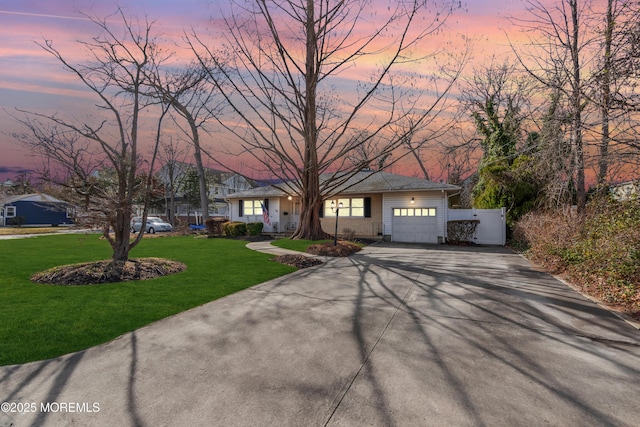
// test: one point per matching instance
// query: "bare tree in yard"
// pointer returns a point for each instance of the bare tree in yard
(172, 155)
(616, 81)
(193, 99)
(558, 52)
(298, 113)
(99, 159)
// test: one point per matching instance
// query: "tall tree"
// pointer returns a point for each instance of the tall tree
(615, 81)
(497, 97)
(193, 99)
(556, 56)
(286, 79)
(78, 150)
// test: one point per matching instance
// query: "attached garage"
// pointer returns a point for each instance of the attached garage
(414, 225)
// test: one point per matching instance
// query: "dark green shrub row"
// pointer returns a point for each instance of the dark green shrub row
(235, 229)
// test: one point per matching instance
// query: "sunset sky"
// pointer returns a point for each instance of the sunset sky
(31, 79)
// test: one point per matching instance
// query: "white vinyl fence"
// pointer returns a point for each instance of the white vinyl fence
(492, 229)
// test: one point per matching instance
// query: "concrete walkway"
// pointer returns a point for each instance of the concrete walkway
(394, 335)
(268, 248)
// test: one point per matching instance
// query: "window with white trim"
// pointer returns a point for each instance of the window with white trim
(9, 211)
(414, 212)
(252, 207)
(350, 207)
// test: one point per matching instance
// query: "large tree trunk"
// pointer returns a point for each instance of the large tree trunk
(310, 226)
(603, 163)
(576, 133)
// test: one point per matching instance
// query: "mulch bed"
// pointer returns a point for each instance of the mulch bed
(298, 261)
(93, 273)
(343, 249)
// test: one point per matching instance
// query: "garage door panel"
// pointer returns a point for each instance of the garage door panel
(418, 229)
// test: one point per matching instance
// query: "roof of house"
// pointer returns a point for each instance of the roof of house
(360, 183)
(35, 197)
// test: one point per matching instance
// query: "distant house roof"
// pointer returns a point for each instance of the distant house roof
(35, 197)
(360, 183)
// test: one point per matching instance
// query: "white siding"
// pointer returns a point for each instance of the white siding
(274, 213)
(434, 199)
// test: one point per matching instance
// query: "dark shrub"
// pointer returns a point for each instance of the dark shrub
(255, 228)
(215, 225)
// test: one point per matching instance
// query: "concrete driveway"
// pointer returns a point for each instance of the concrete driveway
(396, 335)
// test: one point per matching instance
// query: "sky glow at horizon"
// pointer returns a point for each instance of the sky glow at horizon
(33, 80)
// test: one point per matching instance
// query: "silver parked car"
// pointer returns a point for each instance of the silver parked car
(154, 224)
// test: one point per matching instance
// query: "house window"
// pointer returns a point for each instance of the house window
(350, 207)
(9, 211)
(252, 207)
(71, 212)
(414, 212)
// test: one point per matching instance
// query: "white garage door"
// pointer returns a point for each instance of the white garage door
(418, 225)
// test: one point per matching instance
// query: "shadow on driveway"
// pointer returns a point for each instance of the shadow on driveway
(395, 335)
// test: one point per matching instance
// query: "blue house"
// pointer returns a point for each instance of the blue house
(35, 210)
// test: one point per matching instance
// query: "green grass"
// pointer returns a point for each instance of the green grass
(43, 321)
(297, 245)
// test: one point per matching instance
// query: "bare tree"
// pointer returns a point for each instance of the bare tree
(615, 81)
(193, 99)
(285, 82)
(101, 161)
(171, 155)
(560, 46)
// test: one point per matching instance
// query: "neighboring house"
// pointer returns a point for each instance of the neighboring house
(375, 204)
(35, 210)
(625, 190)
(221, 184)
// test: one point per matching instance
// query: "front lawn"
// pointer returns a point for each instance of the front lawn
(43, 321)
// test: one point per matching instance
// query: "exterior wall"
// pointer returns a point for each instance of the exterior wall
(362, 227)
(432, 199)
(40, 213)
(274, 213)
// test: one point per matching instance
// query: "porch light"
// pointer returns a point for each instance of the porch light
(289, 198)
(336, 210)
(413, 200)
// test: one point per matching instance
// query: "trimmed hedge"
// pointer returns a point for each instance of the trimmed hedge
(255, 228)
(235, 229)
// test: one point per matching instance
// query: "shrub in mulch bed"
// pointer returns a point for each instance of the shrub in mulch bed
(343, 249)
(298, 261)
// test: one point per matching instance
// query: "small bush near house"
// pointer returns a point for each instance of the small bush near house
(255, 228)
(599, 251)
(461, 231)
(215, 225)
(16, 221)
(235, 229)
